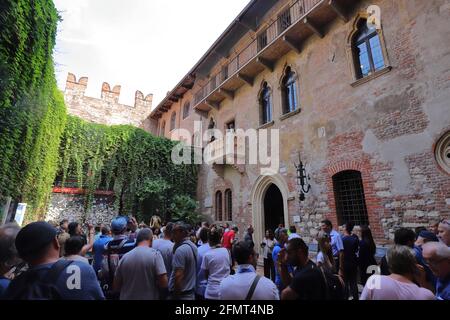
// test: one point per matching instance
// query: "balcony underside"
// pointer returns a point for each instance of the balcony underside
(315, 23)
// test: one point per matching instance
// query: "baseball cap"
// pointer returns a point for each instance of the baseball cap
(119, 224)
(34, 237)
(428, 235)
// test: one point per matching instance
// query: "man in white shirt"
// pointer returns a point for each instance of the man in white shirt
(246, 284)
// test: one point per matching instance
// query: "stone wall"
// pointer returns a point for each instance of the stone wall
(71, 207)
(106, 110)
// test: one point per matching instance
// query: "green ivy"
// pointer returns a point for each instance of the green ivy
(32, 111)
(136, 165)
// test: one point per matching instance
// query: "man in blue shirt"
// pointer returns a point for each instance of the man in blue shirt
(337, 245)
(282, 238)
(99, 247)
(38, 245)
(437, 256)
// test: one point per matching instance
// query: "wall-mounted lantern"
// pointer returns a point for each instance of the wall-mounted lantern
(302, 179)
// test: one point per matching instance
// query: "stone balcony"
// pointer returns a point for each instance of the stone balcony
(229, 150)
(289, 32)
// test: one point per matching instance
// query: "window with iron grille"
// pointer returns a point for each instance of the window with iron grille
(284, 20)
(349, 197)
(262, 40)
(229, 205)
(219, 206)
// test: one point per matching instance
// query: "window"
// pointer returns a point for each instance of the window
(229, 205)
(265, 101)
(219, 206)
(163, 129)
(442, 152)
(186, 110)
(349, 197)
(262, 40)
(368, 52)
(173, 120)
(224, 73)
(289, 91)
(284, 20)
(231, 126)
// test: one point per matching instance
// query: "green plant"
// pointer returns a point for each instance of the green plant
(134, 164)
(184, 208)
(32, 111)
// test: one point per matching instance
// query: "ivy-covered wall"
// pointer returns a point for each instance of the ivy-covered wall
(134, 164)
(32, 110)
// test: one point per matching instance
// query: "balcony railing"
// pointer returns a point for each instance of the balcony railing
(289, 17)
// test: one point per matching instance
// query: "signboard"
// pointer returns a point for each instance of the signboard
(20, 213)
(296, 219)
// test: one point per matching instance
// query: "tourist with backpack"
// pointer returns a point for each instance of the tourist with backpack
(114, 251)
(49, 278)
(183, 280)
(309, 282)
(246, 284)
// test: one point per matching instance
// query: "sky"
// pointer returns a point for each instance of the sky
(146, 45)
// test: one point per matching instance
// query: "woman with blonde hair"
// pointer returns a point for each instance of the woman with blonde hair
(325, 255)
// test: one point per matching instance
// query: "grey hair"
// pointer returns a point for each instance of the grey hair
(440, 250)
(8, 252)
(145, 234)
(401, 260)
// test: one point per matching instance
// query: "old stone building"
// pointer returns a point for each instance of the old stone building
(365, 105)
(106, 110)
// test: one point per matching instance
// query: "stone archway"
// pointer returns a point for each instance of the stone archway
(258, 194)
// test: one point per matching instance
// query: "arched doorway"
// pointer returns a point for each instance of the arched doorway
(273, 208)
(260, 192)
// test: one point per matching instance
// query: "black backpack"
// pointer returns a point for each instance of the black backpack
(28, 286)
(334, 285)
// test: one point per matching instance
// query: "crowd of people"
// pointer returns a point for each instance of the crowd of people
(175, 261)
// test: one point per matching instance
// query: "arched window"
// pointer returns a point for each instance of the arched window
(349, 197)
(289, 91)
(265, 101)
(173, 120)
(219, 205)
(186, 110)
(229, 205)
(163, 129)
(367, 50)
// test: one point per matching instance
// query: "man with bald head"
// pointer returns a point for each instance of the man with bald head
(437, 256)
